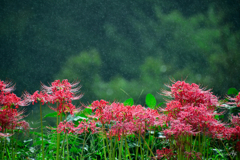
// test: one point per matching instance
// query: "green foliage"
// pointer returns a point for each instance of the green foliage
(232, 91)
(84, 67)
(151, 101)
(128, 102)
(54, 114)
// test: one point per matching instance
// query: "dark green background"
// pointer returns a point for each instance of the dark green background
(118, 46)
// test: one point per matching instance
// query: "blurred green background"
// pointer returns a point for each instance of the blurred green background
(120, 49)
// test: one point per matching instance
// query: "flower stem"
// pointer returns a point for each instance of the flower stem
(12, 146)
(137, 148)
(58, 140)
(127, 148)
(67, 146)
(41, 130)
(83, 144)
(148, 147)
(226, 150)
(120, 149)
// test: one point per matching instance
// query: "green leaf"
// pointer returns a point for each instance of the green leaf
(160, 104)
(219, 152)
(74, 118)
(151, 101)
(128, 102)
(54, 114)
(87, 111)
(232, 91)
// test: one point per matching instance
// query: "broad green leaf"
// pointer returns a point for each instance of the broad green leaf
(87, 111)
(75, 118)
(232, 91)
(128, 102)
(54, 114)
(150, 101)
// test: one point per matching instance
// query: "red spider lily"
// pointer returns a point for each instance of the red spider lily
(7, 98)
(236, 120)
(42, 97)
(10, 99)
(62, 93)
(83, 126)
(125, 120)
(100, 105)
(193, 155)
(233, 132)
(6, 86)
(66, 127)
(179, 129)
(164, 152)
(191, 94)
(236, 100)
(11, 119)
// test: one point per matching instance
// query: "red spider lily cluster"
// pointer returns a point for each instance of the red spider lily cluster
(83, 126)
(59, 92)
(236, 100)
(126, 120)
(192, 111)
(10, 117)
(164, 153)
(193, 155)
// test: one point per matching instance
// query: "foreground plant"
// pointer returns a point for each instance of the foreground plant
(10, 117)
(187, 128)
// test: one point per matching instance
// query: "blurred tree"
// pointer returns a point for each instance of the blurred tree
(84, 68)
(197, 39)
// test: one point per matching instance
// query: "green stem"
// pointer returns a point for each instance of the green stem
(4, 147)
(58, 140)
(120, 149)
(104, 150)
(137, 148)
(153, 138)
(12, 145)
(67, 147)
(149, 148)
(114, 148)
(127, 148)
(111, 149)
(226, 150)
(62, 149)
(41, 130)
(85, 135)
